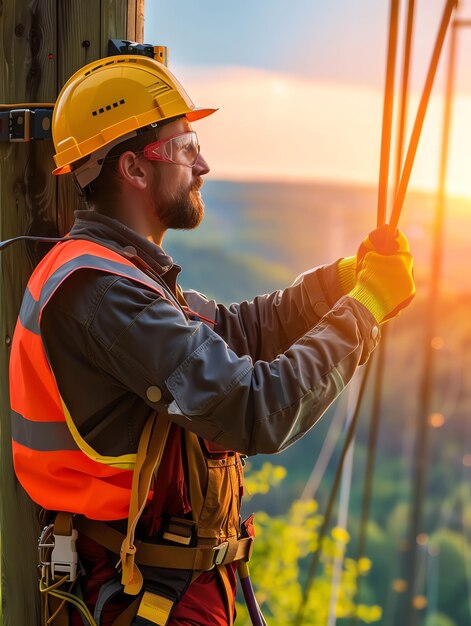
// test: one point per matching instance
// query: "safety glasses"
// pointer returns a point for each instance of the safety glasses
(182, 149)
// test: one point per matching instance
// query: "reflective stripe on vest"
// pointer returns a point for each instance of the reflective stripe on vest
(55, 465)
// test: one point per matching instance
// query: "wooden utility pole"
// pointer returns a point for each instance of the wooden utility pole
(43, 43)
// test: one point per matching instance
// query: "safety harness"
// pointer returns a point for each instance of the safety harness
(60, 568)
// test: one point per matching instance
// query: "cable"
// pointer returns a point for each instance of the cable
(388, 106)
(397, 208)
(420, 117)
(404, 91)
(371, 458)
(380, 365)
(330, 504)
(325, 454)
(382, 195)
(421, 443)
(9, 242)
(342, 522)
(466, 524)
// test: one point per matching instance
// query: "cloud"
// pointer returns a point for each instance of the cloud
(278, 126)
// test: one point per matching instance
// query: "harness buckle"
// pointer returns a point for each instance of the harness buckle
(179, 531)
(220, 552)
(45, 546)
(64, 556)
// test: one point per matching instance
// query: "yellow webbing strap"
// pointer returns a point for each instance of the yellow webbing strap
(156, 609)
(148, 458)
(197, 462)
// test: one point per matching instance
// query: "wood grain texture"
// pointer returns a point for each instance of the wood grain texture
(131, 23)
(113, 22)
(140, 21)
(79, 36)
(27, 203)
(44, 42)
(135, 25)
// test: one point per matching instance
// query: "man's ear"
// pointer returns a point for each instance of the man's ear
(133, 170)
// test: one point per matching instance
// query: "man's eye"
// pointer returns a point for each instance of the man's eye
(183, 144)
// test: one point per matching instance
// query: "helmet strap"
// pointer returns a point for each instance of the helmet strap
(91, 169)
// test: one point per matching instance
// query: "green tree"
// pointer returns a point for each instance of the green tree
(438, 619)
(284, 543)
(452, 549)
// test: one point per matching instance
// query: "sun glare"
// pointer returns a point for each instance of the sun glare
(277, 126)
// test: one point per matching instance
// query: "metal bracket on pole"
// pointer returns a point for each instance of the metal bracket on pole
(25, 124)
(123, 46)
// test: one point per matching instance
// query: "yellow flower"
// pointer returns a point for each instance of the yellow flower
(364, 565)
(340, 534)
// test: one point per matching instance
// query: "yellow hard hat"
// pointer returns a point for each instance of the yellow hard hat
(111, 97)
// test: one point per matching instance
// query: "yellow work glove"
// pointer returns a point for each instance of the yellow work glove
(347, 273)
(385, 282)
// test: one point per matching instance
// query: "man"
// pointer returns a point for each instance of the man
(106, 341)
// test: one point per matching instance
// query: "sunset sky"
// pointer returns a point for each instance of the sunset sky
(300, 90)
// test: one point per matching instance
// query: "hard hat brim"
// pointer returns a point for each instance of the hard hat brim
(64, 169)
(199, 113)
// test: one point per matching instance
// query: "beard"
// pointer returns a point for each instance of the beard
(181, 210)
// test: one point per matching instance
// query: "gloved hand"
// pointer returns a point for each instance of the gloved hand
(347, 273)
(383, 241)
(385, 282)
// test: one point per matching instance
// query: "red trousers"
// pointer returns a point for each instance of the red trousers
(203, 603)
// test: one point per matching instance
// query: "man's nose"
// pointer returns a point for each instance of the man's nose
(200, 167)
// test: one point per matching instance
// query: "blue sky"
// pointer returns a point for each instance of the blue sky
(305, 37)
(335, 40)
(318, 68)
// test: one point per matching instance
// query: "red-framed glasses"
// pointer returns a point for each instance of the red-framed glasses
(182, 149)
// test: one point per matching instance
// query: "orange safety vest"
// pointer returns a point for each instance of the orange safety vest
(54, 464)
(61, 472)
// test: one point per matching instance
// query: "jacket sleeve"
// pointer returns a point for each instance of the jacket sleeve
(250, 406)
(268, 325)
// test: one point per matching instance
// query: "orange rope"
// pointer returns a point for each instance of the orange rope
(388, 107)
(420, 117)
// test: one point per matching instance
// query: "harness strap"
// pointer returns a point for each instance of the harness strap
(228, 593)
(107, 591)
(154, 609)
(63, 523)
(173, 557)
(127, 616)
(148, 458)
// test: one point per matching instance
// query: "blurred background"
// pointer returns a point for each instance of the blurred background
(294, 154)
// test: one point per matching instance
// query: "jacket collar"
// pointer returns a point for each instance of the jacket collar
(108, 231)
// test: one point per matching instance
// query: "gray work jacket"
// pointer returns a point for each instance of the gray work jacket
(256, 381)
